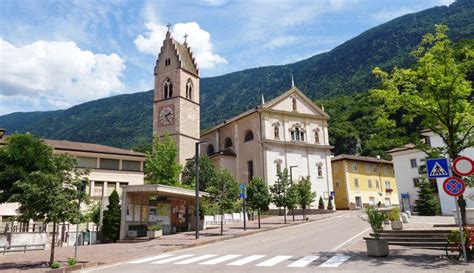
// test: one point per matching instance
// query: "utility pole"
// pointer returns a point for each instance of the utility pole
(196, 203)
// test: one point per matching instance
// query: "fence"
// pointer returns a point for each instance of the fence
(22, 248)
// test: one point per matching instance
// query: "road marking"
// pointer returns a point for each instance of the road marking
(304, 261)
(350, 239)
(273, 261)
(150, 259)
(196, 259)
(221, 259)
(335, 261)
(247, 260)
(173, 259)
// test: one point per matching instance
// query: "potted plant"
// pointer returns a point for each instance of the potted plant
(394, 217)
(154, 231)
(376, 247)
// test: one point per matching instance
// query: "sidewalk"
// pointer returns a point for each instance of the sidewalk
(109, 253)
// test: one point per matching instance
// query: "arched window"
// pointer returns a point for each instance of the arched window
(297, 133)
(227, 143)
(276, 132)
(294, 104)
(248, 136)
(167, 89)
(316, 135)
(210, 149)
(320, 169)
(189, 89)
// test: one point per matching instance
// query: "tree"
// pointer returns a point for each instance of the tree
(279, 190)
(258, 196)
(207, 172)
(161, 166)
(321, 203)
(111, 218)
(426, 204)
(94, 215)
(223, 193)
(435, 90)
(52, 192)
(306, 196)
(292, 198)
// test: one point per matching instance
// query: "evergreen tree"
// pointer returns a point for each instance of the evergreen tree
(258, 196)
(426, 204)
(330, 207)
(161, 166)
(207, 172)
(111, 219)
(279, 190)
(292, 198)
(321, 203)
(306, 196)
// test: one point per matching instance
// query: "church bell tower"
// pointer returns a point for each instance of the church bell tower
(176, 96)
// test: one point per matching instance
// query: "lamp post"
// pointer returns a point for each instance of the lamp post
(197, 188)
(380, 178)
(291, 183)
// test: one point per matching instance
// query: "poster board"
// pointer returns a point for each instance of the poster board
(129, 213)
(136, 213)
(152, 216)
(163, 213)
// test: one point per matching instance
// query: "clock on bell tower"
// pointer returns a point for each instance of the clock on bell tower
(176, 96)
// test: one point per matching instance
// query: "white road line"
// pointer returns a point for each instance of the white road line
(247, 260)
(335, 261)
(221, 259)
(196, 259)
(150, 259)
(274, 261)
(304, 261)
(350, 239)
(173, 259)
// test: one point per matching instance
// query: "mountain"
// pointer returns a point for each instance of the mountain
(125, 120)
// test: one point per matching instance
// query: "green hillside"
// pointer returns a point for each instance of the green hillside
(125, 120)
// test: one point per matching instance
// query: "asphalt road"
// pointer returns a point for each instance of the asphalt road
(302, 248)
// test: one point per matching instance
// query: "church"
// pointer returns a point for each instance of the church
(289, 131)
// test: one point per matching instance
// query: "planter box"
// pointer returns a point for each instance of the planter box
(154, 233)
(377, 248)
(397, 225)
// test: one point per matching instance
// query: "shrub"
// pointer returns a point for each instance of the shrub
(321, 203)
(154, 227)
(55, 265)
(330, 205)
(71, 261)
(394, 214)
(375, 218)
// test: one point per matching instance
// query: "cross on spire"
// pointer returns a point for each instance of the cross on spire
(168, 26)
(185, 37)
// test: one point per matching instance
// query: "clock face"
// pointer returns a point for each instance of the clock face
(166, 115)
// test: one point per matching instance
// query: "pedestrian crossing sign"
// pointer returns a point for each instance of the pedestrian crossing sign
(437, 168)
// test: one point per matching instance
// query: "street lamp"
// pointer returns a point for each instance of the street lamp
(197, 187)
(291, 182)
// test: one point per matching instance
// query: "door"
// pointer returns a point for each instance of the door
(358, 202)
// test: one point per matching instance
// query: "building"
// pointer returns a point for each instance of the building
(409, 165)
(361, 181)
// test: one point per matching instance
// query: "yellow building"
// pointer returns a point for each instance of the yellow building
(361, 181)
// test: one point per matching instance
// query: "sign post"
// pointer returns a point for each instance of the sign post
(455, 187)
(243, 196)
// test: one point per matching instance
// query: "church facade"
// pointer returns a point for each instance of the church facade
(289, 131)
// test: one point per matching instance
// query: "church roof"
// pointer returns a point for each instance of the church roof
(186, 58)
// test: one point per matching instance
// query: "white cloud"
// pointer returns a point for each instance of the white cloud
(386, 15)
(281, 41)
(198, 39)
(48, 75)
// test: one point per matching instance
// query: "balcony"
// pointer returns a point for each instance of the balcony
(388, 190)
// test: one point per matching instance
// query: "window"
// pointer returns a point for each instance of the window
(387, 185)
(227, 143)
(98, 188)
(377, 183)
(385, 169)
(413, 163)
(376, 168)
(167, 89)
(354, 167)
(109, 164)
(276, 132)
(356, 182)
(297, 133)
(369, 183)
(189, 89)
(416, 182)
(167, 61)
(110, 187)
(316, 135)
(248, 136)
(210, 149)
(250, 170)
(320, 169)
(293, 102)
(86, 162)
(368, 167)
(129, 165)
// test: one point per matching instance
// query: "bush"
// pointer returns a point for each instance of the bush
(55, 265)
(376, 219)
(154, 227)
(394, 214)
(330, 205)
(454, 236)
(321, 203)
(71, 261)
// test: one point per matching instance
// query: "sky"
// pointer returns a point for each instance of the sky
(57, 54)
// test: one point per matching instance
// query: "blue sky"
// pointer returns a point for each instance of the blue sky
(56, 54)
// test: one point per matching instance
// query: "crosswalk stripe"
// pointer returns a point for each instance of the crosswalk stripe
(247, 260)
(150, 259)
(196, 259)
(335, 261)
(173, 259)
(304, 261)
(273, 261)
(221, 259)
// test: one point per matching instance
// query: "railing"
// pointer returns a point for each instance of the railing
(22, 248)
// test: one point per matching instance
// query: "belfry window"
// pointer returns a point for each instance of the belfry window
(167, 89)
(167, 61)
(189, 89)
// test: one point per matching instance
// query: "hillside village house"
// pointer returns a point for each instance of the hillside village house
(361, 181)
(288, 131)
(409, 164)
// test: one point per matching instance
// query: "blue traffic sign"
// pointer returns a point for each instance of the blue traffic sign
(243, 191)
(437, 168)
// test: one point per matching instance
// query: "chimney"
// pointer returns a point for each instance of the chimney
(2, 133)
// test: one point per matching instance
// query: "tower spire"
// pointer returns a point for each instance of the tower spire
(292, 81)
(263, 99)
